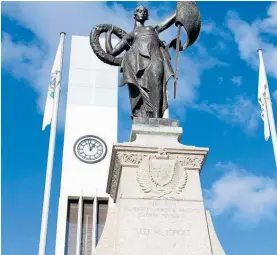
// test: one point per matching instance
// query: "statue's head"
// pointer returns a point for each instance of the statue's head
(141, 13)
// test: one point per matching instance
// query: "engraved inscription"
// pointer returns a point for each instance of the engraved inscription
(161, 209)
(160, 232)
(163, 227)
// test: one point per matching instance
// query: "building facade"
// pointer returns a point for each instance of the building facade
(90, 131)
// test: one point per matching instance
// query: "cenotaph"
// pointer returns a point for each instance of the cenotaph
(153, 179)
(154, 183)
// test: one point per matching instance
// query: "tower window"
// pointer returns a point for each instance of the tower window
(84, 230)
(102, 208)
(87, 227)
(71, 227)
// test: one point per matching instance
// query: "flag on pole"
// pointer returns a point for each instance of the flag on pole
(54, 81)
(266, 106)
(51, 116)
(263, 97)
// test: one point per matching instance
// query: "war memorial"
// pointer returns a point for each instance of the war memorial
(141, 197)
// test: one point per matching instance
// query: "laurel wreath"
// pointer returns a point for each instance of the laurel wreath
(96, 47)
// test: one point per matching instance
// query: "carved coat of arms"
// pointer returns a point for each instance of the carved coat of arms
(161, 176)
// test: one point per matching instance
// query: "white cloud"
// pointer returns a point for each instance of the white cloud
(237, 80)
(222, 35)
(24, 56)
(246, 196)
(249, 37)
(212, 29)
(189, 79)
(269, 24)
(208, 27)
(240, 111)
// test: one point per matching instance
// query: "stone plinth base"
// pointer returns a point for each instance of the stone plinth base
(154, 183)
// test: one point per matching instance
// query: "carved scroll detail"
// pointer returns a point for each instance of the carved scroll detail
(150, 178)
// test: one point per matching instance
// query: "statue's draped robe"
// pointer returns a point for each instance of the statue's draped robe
(146, 66)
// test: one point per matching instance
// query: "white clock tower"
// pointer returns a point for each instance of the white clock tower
(90, 131)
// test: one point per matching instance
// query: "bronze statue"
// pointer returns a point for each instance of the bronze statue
(145, 65)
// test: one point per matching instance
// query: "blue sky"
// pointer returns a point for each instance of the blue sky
(216, 105)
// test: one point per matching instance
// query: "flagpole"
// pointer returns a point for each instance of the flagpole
(272, 125)
(50, 159)
(269, 110)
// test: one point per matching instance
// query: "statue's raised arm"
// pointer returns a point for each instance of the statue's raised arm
(145, 65)
(166, 23)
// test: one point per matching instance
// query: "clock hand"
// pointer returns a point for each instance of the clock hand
(90, 145)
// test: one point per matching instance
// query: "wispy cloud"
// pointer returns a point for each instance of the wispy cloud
(249, 198)
(222, 36)
(249, 38)
(211, 28)
(237, 80)
(241, 111)
(269, 24)
(25, 56)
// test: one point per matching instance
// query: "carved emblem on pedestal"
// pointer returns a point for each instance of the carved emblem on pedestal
(161, 176)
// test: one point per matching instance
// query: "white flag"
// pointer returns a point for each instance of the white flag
(54, 82)
(263, 96)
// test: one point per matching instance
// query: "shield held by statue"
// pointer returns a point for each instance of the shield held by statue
(162, 171)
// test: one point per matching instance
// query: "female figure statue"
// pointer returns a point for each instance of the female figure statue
(145, 66)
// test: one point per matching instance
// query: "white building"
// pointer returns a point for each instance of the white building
(90, 131)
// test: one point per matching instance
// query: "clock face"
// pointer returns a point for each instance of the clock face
(90, 149)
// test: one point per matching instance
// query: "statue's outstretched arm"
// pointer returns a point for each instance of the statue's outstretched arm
(166, 23)
(120, 47)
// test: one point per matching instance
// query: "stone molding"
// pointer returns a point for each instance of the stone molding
(191, 158)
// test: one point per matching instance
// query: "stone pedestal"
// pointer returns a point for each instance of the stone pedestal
(158, 205)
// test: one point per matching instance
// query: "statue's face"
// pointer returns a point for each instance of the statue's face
(141, 13)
